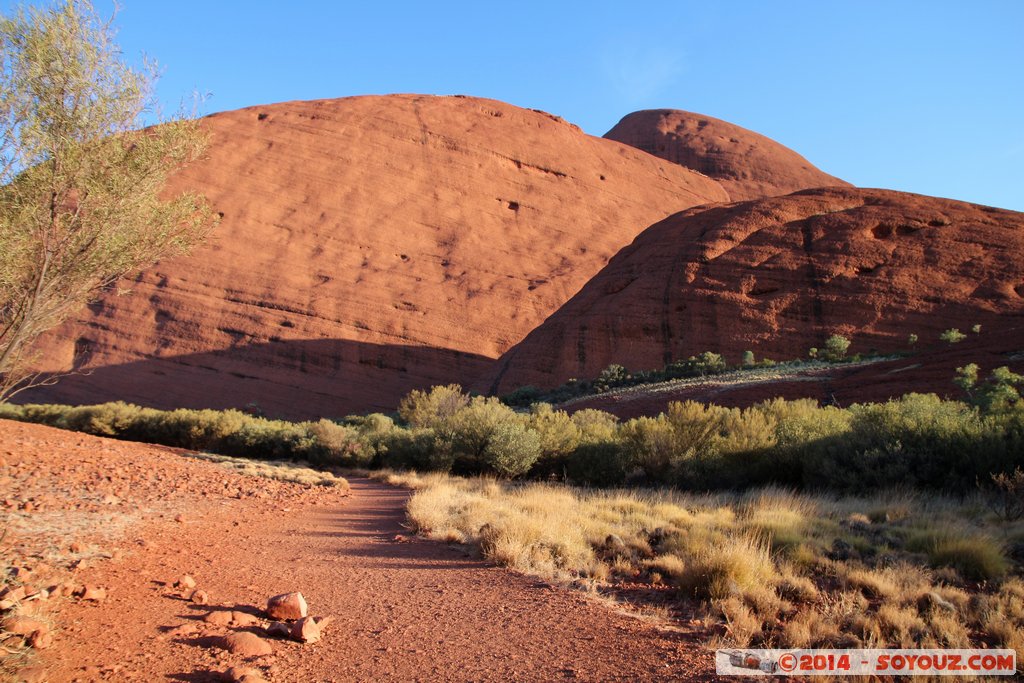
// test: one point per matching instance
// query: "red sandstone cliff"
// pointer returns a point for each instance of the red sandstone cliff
(748, 165)
(368, 246)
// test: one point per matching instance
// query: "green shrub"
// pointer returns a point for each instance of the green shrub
(953, 336)
(432, 408)
(336, 444)
(707, 363)
(600, 463)
(511, 450)
(523, 396)
(696, 426)
(417, 448)
(835, 348)
(917, 440)
(650, 443)
(612, 376)
(470, 429)
(558, 434)
(595, 425)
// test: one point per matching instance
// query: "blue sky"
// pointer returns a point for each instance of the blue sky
(922, 96)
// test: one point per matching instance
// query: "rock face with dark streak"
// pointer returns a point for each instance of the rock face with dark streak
(780, 275)
(748, 165)
(368, 246)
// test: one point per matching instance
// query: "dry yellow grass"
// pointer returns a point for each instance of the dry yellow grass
(296, 473)
(771, 566)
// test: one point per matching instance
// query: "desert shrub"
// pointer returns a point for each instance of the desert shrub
(470, 429)
(215, 430)
(558, 436)
(997, 394)
(649, 443)
(952, 336)
(432, 408)
(917, 440)
(595, 425)
(107, 419)
(706, 363)
(802, 429)
(598, 463)
(967, 378)
(748, 360)
(372, 424)
(746, 431)
(738, 455)
(699, 445)
(511, 450)
(835, 348)
(696, 426)
(9, 411)
(1005, 495)
(336, 444)
(612, 376)
(523, 396)
(414, 448)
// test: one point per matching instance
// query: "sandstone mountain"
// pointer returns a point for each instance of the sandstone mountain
(748, 165)
(367, 246)
(779, 275)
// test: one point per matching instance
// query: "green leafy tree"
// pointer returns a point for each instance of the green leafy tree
(80, 183)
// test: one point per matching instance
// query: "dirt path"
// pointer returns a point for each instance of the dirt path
(403, 610)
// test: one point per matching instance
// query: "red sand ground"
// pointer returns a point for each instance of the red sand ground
(413, 610)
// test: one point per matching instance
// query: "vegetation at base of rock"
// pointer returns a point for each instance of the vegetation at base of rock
(766, 567)
(706, 364)
(919, 440)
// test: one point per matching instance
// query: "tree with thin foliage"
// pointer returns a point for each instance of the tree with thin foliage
(80, 180)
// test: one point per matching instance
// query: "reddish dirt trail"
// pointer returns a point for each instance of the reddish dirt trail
(414, 610)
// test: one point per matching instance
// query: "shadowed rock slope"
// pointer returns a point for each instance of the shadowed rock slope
(368, 246)
(779, 275)
(748, 165)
